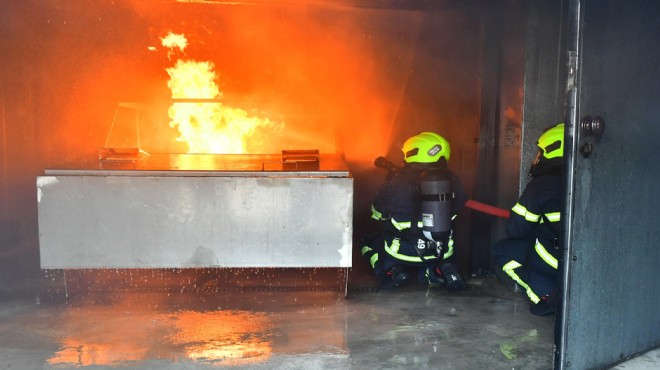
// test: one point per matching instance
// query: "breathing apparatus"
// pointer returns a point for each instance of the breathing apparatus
(435, 194)
(435, 190)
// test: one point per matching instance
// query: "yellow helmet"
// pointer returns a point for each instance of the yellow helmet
(551, 142)
(427, 147)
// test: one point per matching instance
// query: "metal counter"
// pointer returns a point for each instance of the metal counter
(181, 211)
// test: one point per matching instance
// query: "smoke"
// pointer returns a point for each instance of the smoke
(353, 81)
(340, 78)
(78, 75)
(335, 76)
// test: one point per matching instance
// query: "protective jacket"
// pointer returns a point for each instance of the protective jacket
(531, 254)
(397, 206)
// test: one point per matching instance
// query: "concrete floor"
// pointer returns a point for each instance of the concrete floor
(133, 320)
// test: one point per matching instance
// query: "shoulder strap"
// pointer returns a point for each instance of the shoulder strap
(554, 231)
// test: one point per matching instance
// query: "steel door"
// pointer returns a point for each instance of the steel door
(612, 260)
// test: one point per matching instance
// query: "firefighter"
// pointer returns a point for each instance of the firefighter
(530, 253)
(400, 248)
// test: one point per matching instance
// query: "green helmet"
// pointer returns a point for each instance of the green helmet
(551, 142)
(427, 147)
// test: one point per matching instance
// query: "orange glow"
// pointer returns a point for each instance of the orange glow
(127, 332)
(205, 124)
(326, 77)
(75, 352)
(99, 336)
(223, 336)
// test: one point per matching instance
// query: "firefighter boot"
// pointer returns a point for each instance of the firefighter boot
(453, 280)
(394, 277)
(546, 306)
(431, 276)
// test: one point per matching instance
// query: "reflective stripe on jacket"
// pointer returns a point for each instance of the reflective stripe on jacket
(397, 207)
(536, 217)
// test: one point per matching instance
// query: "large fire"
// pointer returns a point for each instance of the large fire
(205, 124)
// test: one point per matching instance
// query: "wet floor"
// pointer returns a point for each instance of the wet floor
(482, 327)
(487, 326)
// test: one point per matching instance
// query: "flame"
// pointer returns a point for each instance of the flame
(204, 123)
(173, 40)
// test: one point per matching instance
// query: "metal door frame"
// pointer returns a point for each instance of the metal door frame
(570, 150)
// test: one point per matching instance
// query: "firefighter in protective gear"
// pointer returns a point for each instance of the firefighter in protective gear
(531, 253)
(398, 248)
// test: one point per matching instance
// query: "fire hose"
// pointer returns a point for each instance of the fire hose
(487, 208)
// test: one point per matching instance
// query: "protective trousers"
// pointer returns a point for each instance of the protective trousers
(373, 249)
(520, 261)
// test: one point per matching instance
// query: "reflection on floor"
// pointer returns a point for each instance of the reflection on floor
(133, 319)
(149, 326)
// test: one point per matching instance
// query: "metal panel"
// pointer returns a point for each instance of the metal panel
(544, 76)
(613, 255)
(170, 221)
